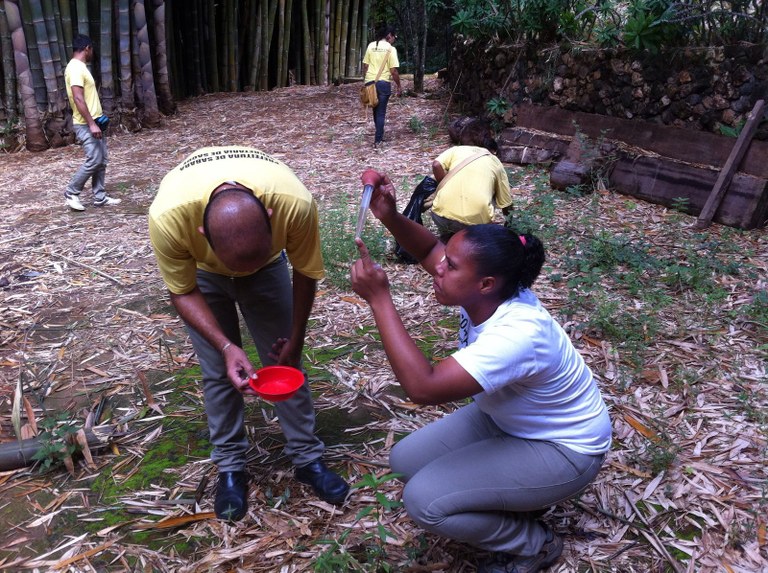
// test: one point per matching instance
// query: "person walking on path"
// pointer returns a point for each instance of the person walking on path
(381, 55)
(537, 430)
(469, 196)
(89, 124)
(223, 226)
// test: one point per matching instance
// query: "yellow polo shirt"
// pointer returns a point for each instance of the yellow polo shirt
(375, 54)
(469, 197)
(77, 74)
(177, 212)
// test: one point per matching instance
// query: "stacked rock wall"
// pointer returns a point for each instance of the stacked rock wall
(702, 89)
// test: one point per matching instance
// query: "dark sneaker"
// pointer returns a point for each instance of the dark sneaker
(74, 202)
(231, 496)
(107, 201)
(508, 563)
(328, 485)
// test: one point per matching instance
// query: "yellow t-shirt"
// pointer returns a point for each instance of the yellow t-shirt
(77, 74)
(469, 197)
(375, 54)
(177, 212)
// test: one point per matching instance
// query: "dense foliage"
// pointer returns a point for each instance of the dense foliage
(636, 24)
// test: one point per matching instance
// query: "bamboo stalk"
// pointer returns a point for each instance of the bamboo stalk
(90, 268)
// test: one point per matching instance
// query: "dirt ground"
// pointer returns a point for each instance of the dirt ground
(83, 312)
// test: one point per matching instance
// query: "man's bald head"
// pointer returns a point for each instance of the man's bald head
(237, 226)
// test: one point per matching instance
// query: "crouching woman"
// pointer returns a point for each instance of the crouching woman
(536, 431)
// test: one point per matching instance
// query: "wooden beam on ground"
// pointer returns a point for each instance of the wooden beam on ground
(734, 159)
(526, 147)
(664, 182)
(686, 145)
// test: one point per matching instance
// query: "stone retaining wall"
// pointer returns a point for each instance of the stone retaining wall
(701, 89)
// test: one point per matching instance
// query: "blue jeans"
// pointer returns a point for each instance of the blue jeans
(383, 90)
(95, 166)
(265, 301)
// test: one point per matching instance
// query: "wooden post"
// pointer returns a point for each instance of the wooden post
(731, 165)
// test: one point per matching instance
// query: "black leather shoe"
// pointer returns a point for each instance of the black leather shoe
(231, 496)
(328, 486)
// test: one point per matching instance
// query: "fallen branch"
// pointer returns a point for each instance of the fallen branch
(90, 268)
(19, 454)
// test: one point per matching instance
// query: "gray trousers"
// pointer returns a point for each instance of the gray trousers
(468, 480)
(265, 300)
(446, 228)
(95, 166)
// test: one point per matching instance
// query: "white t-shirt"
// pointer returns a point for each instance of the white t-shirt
(536, 385)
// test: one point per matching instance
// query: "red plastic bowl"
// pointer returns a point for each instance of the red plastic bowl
(277, 383)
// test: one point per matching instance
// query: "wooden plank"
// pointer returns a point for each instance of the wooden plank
(664, 182)
(699, 147)
(734, 159)
(525, 147)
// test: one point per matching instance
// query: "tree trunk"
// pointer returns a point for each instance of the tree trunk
(353, 60)
(256, 26)
(46, 57)
(286, 43)
(150, 115)
(343, 32)
(326, 58)
(82, 18)
(309, 59)
(34, 127)
(33, 56)
(58, 50)
(9, 75)
(107, 87)
(364, 32)
(268, 34)
(211, 45)
(338, 11)
(421, 50)
(65, 15)
(128, 117)
(166, 102)
(230, 33)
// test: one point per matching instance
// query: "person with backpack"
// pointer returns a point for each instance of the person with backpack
(380, 65)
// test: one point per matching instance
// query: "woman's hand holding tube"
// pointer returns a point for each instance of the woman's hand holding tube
(384, 199)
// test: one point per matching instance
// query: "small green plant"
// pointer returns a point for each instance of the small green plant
(369, 555)
(57, 443)
(276, 500)
(662, 454)
(757, 310)
(416, 125)
(496, 108)
(681, 204)
(598, 154)
(731, 130)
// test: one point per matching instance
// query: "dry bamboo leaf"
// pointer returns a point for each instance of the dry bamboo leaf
(172, 522)
(640, 427)
(30, 416)
(16, 409)
(27, 432)
(82, 440)
(85, 555)
(354, 300)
